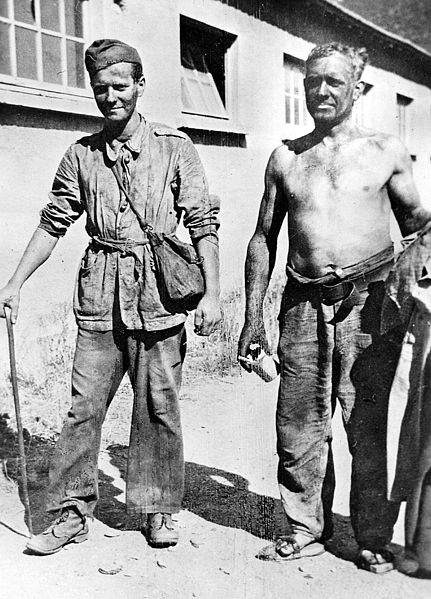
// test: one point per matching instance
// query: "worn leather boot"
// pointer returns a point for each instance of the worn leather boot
(70, 527)
(161, 531)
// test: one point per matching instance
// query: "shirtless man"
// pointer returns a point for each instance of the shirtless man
(337, 186)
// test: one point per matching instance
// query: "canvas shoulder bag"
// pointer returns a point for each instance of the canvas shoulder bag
(177, 265)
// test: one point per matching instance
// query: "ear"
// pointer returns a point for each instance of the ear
(359, 88)
(141, 86)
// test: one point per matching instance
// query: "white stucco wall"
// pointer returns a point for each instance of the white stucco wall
(29, 154)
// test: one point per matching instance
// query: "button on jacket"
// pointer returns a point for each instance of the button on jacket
(166, 181)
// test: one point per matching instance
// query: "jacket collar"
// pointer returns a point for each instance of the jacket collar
(134, 144)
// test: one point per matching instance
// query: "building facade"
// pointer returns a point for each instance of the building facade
(227, 72)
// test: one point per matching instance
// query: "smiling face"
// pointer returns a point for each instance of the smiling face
(116, 93)
(330, 89)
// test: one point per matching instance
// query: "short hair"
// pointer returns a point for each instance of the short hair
(358, 56)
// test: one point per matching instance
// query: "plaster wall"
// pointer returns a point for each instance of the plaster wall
(32, 141)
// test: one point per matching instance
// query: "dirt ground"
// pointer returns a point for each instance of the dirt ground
(231, 509)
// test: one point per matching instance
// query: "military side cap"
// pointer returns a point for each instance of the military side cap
(103, 53)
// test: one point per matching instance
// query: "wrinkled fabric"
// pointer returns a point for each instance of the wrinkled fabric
(167, 183)
(409, 415)
(320, 364)
(398, 303)
(155, 470)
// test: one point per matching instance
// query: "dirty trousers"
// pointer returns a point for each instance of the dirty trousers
(320, 363)
(155, 473)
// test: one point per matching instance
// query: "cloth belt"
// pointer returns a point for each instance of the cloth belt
(125, 247)
(345, 284)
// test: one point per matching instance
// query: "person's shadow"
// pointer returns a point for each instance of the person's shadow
(223, 498)
(213, 494)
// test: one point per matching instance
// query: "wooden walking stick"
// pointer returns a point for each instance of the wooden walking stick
(22, 460)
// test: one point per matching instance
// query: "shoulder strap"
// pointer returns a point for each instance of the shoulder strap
(144, 226)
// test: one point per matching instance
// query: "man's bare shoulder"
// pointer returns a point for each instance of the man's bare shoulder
(278, 161)
(384, 141)
(285, 154)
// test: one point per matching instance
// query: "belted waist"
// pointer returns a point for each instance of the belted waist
(125, 247)
(345, 284)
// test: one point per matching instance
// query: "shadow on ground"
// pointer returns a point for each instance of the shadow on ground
(215, 495)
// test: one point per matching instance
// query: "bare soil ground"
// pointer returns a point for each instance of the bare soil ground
(231, 509)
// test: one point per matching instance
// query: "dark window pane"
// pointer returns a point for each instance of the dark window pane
(4, 49)
(26, 53)
(287, 102)
(51, 58)
(287, 80)
(297, 81)
(296, 111)
(49, 15)
(4, 12)
(73, 10)
(75, 64)
(24, 11)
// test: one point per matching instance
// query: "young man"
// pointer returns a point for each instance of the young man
(124, 324)
(337, 186)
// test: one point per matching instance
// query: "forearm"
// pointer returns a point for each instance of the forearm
(415, 221)
(258, 268)
(208, 250)
(36, 253)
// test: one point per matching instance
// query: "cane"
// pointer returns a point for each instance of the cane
(22, 460)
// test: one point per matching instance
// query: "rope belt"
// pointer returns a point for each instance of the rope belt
(345, 284)
(126, 247)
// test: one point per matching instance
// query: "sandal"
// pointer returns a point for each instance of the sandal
(287, 548)
(378, 561)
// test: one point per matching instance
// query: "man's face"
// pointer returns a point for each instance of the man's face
(330, 89)
(116, 93)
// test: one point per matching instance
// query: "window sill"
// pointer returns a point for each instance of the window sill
(81, 102)
(207, 123)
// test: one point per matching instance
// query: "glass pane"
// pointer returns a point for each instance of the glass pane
(287, 101)
(185, 96)
(26, 53)
(24, 11)
(4, 49)
(4, 11)
(296, 111)
(287, 85)
(212, 99)
(49, 16)
(195, 92)
(297, 81)
(75, 64)
(51, 58)
(73, 16)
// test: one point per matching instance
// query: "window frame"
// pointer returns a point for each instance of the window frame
(295, 65)
(42, 94)
(220, 98)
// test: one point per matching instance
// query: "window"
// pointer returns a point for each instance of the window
(294, 94)
(403, 116)
(360, 112)
(204, 55)
(43, 40)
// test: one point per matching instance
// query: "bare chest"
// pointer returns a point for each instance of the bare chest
(330, 179)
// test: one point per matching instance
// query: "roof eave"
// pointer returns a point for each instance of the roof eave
(392, 38)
